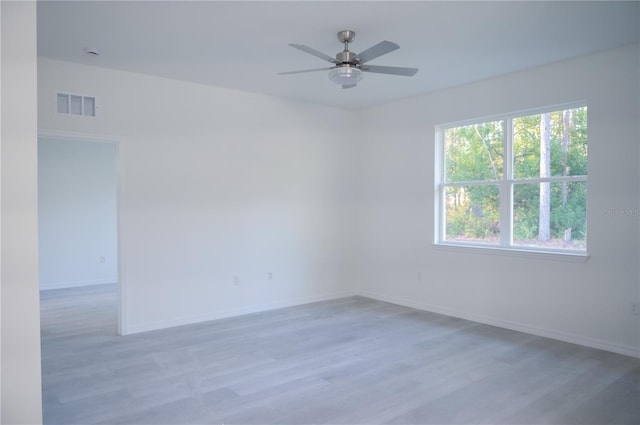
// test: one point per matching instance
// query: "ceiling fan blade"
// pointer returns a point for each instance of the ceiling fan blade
(348, 86)
(313, 52)
(305, 70)
(393, 70)
(379, 49)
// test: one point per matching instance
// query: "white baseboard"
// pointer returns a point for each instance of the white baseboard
(627, 350)
(222, 314)
(45, 286)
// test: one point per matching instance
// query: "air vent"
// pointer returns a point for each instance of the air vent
(73, 104)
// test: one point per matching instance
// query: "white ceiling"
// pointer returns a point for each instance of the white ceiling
(243, 45)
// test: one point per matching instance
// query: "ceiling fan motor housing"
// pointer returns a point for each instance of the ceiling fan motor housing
(346, 57)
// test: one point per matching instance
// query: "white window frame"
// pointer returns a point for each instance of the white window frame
(506, 184)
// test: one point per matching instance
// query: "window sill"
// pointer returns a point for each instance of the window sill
(570, 256)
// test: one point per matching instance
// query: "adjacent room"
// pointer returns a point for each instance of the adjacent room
(320, 212)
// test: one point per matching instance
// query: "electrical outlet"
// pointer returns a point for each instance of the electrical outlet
(103, 259)
(635, 309)
(236, 280)
(270, 276)
(419, 276)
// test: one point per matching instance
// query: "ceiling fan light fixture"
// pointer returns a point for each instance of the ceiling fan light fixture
(345, 75)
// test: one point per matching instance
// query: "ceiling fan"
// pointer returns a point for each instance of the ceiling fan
(348, 66)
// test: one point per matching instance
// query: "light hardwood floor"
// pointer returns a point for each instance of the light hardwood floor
(348, 361)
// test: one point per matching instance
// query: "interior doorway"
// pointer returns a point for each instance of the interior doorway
(78, 216)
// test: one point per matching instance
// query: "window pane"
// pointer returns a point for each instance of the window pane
(76, 104)
(550, 215)
(474, 152)
(550, 144)
(89, 106)
(472, 214)
(63, 103)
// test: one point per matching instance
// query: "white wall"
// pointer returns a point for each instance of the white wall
(220, 183)
(20, 384)
(76, 212)
(216, 183)
(588, 303)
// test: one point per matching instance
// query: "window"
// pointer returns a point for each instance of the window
(518, 182)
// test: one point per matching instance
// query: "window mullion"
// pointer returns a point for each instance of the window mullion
(506, 188)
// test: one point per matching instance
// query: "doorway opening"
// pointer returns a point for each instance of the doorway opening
(78, 226)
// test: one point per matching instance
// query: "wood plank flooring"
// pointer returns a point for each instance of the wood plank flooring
(348, 361)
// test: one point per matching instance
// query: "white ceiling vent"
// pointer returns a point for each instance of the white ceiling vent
(76, 105)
